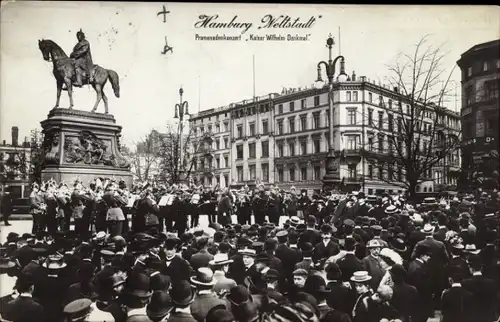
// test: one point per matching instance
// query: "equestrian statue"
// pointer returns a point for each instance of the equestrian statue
(78, 70)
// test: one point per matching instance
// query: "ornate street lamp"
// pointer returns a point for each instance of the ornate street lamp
(332, 168)
(181, 109)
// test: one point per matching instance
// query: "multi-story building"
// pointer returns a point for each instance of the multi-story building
(283, 138)
(480, 66)
(15, 166)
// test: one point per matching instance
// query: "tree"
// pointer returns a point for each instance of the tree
(171, 169)
(419, 137)
(145, 159)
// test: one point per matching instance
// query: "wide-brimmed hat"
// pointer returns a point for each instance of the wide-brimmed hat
(360, 277)
(220, 259)
(204, 277)
(138, 285)
(374, 243)
(398, 245)
(78, 309)
(307, 248)
(160, 305)
(294, 221)
(6, 263)
(428, 229)
(247, 251)
(272, 275)
(181, 293)
(239, 295)
(471, 248)
(54, 263)
(391, 210)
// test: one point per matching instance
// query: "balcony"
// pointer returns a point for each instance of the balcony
(352, 156)
(207, 150)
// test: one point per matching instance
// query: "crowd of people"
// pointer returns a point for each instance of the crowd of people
(350, 257)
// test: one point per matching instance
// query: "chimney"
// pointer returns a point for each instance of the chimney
(4, 143)
(15, 135)
(362, 79)
(353, 76)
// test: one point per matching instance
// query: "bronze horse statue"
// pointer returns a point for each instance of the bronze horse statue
(64, 72)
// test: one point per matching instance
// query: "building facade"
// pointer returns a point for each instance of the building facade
(15, 166)
(283, 138)
(480, 66)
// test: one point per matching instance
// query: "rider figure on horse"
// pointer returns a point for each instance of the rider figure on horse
(83, 59)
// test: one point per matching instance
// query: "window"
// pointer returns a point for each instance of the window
(303, 147)
(226, 161)
(291, 149)
(352, 171)
(390, 121)
(280, 175)
(351, 116)
(351, 143)
(217, 162)
(209, 128)
(355, 96)
(292, 106)
(251, 150)
(400, 125)
(265, 128)
(380, 101)
(302, 103)
(348, 96)
(381, 143)
(280, 149)
(240, 131)
(370, 117)
(303, 122)
(370, 171)
(280, 127)
(389, 144)
(381, 172)
(381, 120)
(226, 124)
(316, 100)
(252, 129)
(370, 143)
(390, 104)
(265, 172)
(291, 124)
(317, 146)
(370, 97)
(265, 149)
(317, 173)
(239, 151)
(316, 120)
(280, 109)
(239, 173)
(202, 163)
(217, 144)
(303, 174)
(226, 143)
(491, 89)
(251, 169)
(485, 65)
(469, 71)
(291, 173)
(217, 128)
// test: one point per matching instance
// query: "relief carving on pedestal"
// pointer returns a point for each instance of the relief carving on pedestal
(88, 149)
(51, 147)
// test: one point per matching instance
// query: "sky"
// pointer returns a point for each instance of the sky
(129, 37)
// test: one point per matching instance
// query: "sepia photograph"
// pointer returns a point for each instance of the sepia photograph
(249, 162)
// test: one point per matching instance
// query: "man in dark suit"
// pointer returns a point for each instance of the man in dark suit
(202, 257)
(419, 276)
(341, 297)
(484, 292)
(372, 263)
(175, 267)
(349, 263)
(326, 248)
(24, 308)
(405, 296)
(289, 256)
(307, 262)
(311, 234)
(456, 302)
(6, 207)
(224, 209)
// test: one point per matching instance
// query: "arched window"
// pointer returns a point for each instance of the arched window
(425, 189)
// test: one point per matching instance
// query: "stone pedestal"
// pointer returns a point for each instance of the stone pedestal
(82, 145)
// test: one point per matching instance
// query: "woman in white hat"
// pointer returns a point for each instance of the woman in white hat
(361, 281)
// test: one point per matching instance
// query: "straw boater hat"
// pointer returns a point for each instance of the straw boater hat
(374, 243)
(471, 248)
(360, 277)
(220, 259)
(247, 251)
(428, 229)
(391, 210)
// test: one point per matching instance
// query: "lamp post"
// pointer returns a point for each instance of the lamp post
(181, 109)
(332, 171)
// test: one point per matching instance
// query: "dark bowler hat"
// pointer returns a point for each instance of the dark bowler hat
(316, 283)
(219, 313)
(182, 293)
(78, 310)
(172, 242)
(239, 295)
(307, 248)
(301, 228)
(398, 245)
(160, 305)
(272, 275)
(262, 258)
(258, 246)
(327, 229)
(159, 282)
(137, 285)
